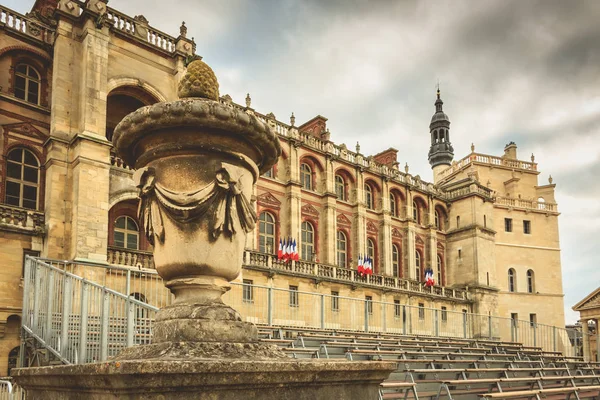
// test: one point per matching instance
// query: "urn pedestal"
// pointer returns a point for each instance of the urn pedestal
(196, 163)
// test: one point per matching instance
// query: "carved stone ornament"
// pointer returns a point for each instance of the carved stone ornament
(343, 220)
(371, 227)
(220, 202)
(308, 209)
(268, 200)
(396, 233)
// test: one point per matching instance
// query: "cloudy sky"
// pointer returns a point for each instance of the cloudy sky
(523, 71)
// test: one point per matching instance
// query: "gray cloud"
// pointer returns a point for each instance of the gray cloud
(517, 70)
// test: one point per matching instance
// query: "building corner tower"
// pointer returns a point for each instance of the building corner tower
(441, 152)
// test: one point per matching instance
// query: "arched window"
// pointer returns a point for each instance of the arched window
(415, 211)
(436, 216)
(266, 233)
(126, 233)
(342, 250)
(458, 221)
(13, 359)
(340, 187)
(541, 203)
(308, 240)
(530, 281)
(395, 261)
(393, 209)
(368, 196)
(417, 265)
(27, 83)
(512, 287)
(22, 179)
(306, 177)
(439, 269)
(371, 252)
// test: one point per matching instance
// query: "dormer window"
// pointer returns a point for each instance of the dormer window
(27, 83)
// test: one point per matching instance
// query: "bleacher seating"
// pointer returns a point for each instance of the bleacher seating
(449, 368)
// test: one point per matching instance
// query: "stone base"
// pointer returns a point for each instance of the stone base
(199, 350)
(206, 380)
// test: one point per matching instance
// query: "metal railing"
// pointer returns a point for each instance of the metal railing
(274, 306)
(83, 318)
(79, 321)
(10, 391)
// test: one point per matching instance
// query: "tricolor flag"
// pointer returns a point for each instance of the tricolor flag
(361, 267)
(369, 266)
(429, 281)
(295, 255)
(280, 250)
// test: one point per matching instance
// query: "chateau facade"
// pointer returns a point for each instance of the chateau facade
(71, 70)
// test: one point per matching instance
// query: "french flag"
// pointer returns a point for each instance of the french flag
(369, 266)
(361, 267)
(429, 281)
(295, 255)
(280, 250)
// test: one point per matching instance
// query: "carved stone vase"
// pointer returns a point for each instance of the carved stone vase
(196, 163)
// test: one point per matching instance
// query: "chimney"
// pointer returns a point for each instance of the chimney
(510, 151)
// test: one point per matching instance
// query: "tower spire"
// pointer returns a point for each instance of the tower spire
(441, 151)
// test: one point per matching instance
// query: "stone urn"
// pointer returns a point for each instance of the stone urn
(197, 161)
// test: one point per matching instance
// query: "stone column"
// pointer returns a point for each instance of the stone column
(329, 242)
(585, 340)
(359, 245)
(597, 341)
(410, 248)
(432, 239)
(386, 230)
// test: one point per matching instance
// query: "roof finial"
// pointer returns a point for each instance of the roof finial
(438, 89)
(248, 100)
(292, 119)
(357, 147)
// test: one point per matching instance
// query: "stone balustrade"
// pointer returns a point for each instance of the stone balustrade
(138, 28)
(21, 219)
(130, 258)
(14, 21)
(530, 205)
(488, 160)
(269, 262)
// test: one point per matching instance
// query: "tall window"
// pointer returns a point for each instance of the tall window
(308, 240)
(393, 209)
(421, 311)
(508, 224)
(369, 303)
(458, 221)
(248, 291)
(437, 220)
(397, 308)
(417, 265)
(22, 179)
(306, 177)
(340, 187)
(371, 251)
(415, 211)
(342, 250)
(395, 261)
(266, 233)
(126, 233)
(527, 227)
(369, 197)
(444, 314)
(27, 84)
(335, 301)
(439, 269)
(294, 301)
(530, 281)
(511, 280)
